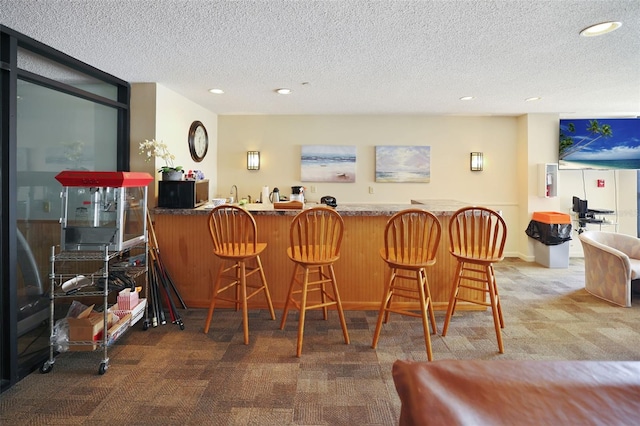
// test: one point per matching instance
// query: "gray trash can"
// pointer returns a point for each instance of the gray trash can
(552, 234)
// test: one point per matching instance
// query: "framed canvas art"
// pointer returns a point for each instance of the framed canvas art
(403, 164)
(328, 163)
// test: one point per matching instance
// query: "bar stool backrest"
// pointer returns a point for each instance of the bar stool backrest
(412, 237)
(315, 235)
(233, 231)
(477, 233)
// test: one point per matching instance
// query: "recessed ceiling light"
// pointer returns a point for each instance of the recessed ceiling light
(283, 91)
(535, 98)
(216, 91)
(467, 98)
(599, 29)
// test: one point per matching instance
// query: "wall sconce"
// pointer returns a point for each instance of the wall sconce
(476, 162)
(253, 160)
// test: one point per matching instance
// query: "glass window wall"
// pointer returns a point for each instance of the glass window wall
(58, 114)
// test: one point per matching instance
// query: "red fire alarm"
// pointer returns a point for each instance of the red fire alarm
(600, 183)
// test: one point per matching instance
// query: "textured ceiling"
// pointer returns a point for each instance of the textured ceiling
(357, 57)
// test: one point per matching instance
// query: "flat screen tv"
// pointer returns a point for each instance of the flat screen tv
(607, 143)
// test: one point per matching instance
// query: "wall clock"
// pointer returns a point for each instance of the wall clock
(198, 141)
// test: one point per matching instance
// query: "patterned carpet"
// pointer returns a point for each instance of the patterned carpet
(165, 376)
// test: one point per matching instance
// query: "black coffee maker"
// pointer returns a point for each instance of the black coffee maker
(329, 201)
(297, 193)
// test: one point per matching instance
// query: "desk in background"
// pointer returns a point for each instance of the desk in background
(598, 217)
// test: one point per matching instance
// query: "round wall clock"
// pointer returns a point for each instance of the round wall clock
(198, 141)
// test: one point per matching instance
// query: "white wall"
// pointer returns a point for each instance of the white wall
(160, 113)
(540, 145)
(279, 139)
(619, 194)
(175, 114)
(513, 148)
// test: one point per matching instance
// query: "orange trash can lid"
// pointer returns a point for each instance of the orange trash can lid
(552, 217)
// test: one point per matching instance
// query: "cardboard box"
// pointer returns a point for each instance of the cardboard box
(136, 312)
(118, 329)
(127, 299)
(87, 327)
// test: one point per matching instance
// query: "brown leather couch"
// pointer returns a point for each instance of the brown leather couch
(460, 392)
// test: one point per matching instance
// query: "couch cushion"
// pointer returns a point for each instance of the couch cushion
(473, 392)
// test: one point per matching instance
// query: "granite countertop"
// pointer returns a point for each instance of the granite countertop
(438, 207)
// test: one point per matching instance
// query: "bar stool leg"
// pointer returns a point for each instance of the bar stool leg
(263, 279)
(212, 305)
(285, 311)
(497, 315)
(425, 283)
(383, 313)
(425, 303)
(243, 295)
(452, 298)
(321, 277)
(394, 275)
(495, 288)
(303, 311)
(343, 322)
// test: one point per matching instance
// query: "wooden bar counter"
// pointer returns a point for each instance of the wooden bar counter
(186, 251)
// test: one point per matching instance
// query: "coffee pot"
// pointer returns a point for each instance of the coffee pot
(274, 197)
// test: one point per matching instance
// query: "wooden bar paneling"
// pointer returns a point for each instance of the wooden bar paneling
(186, 250)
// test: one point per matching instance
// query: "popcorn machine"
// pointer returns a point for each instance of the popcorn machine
(103, 209)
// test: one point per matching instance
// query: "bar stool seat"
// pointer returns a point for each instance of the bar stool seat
(234, 233)
(411, 239)
(315, 237)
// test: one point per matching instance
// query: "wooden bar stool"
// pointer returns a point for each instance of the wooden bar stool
(477, 236)
(411, 239)
(234, 233)
(315, 237)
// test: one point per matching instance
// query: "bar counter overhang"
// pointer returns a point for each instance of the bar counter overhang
(187, 252)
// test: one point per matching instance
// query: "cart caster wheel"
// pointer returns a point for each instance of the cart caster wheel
(103, 368)
(145, 325)
(46, 367)
(181, 326)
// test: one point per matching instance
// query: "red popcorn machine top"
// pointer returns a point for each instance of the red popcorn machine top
(103, 209)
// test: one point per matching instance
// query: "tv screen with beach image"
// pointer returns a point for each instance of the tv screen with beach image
(328, 163)
(608, 143)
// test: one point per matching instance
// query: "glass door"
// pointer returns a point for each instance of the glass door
(55, 132)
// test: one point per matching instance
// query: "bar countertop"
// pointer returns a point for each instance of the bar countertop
(438, 207)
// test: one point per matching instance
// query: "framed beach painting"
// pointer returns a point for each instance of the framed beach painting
(403, 164)
(328, 163)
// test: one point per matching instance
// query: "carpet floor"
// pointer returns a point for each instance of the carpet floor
(168, 376)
